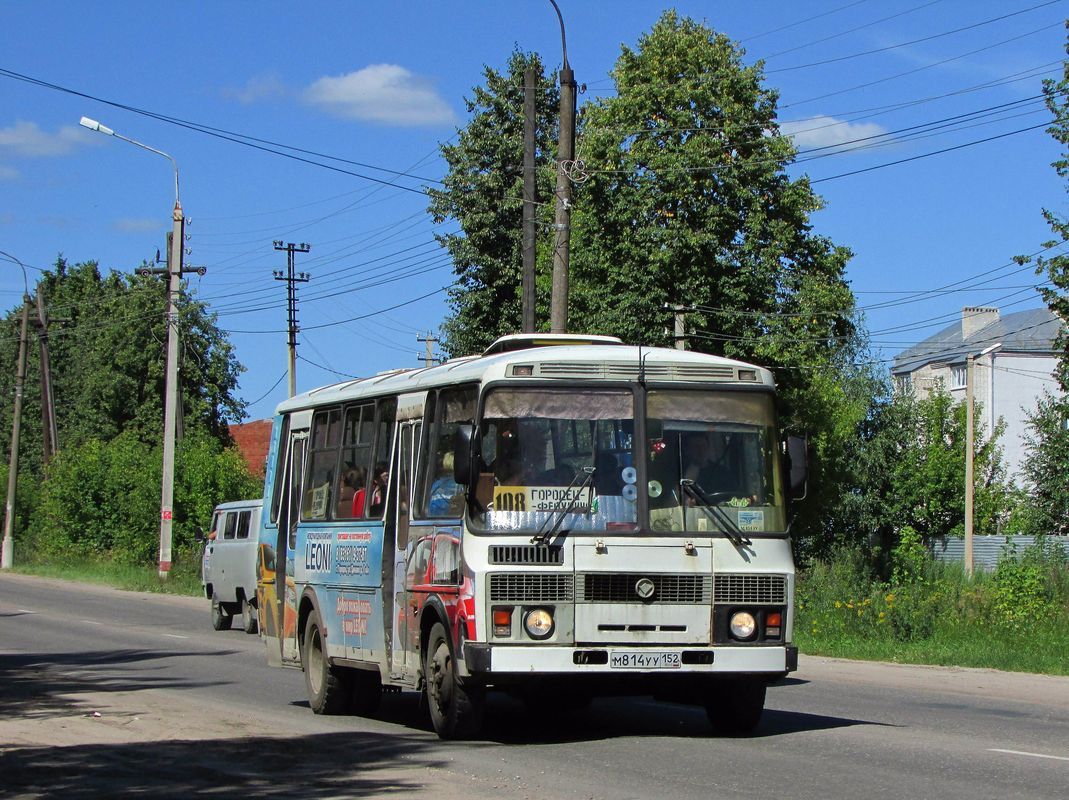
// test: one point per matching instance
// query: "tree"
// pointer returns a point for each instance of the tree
(107, 345)
(482, 193)
(686, 201)
(909, 471)
(1046, 464)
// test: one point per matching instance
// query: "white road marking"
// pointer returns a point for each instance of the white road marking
(26, 611)
(90, 622)
(174, 636)
(1031, 755)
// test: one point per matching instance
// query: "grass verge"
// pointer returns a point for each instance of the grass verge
(184, 580)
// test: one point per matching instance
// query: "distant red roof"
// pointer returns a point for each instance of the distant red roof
(253, 440)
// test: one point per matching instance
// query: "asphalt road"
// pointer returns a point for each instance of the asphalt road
(107, 693)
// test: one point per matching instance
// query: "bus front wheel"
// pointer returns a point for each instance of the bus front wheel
(329, 687)
(456, 706)
(735, 706)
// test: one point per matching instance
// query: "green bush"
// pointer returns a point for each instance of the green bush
(102, 499)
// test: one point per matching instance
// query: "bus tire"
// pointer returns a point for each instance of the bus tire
(329, 687)
(735, 707)
(366, 692)
(248, 616)
(221, 618)
(455, 705)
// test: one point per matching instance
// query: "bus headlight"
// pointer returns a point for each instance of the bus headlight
(743, 625)
(538, 623)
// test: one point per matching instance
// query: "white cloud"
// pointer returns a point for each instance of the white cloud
(131, 225)
(824, 131)
(261, 87)
(385, 93)
(8, 173)
(28, 140)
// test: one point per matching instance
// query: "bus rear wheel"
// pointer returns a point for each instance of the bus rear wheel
(329, 687)
(222, 619)
(735, 706)
(456, 706)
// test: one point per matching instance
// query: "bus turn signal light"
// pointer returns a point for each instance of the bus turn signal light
(503, 621)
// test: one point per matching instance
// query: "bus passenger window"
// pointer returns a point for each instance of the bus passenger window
(323, 461)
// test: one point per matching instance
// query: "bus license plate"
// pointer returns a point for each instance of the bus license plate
(632, 659)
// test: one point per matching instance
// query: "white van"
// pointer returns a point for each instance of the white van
(228, 568)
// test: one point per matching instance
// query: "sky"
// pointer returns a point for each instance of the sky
(918, 122)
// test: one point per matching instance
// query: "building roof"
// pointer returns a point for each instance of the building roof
(1032, 331)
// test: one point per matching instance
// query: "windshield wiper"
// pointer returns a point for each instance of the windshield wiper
(714, 512)
(542, 536)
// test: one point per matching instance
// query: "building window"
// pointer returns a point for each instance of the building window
(903, 384)
(957, 377)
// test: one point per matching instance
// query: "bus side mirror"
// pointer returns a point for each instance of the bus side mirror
(462, 455)
(798, 466)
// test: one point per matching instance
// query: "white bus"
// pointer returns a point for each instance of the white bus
(561, 517)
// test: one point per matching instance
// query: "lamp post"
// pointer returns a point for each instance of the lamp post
(7, 555)
(174, 280)
(969, 437)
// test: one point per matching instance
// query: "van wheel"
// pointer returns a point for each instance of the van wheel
(248, 616)
(366, 692)
(329, 687)
(734, 707)
(456, 706)
(221, 618)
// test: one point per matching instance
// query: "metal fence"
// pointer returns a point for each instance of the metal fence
(986, 550)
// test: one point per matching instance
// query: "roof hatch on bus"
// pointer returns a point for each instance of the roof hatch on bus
(526, 341)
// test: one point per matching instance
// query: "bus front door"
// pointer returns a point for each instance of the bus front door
(285, 587)
(402, 663)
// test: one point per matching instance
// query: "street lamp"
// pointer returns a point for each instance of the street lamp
(7, 554)
(174, 281)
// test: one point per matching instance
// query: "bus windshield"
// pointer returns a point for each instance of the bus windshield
(552, 452)
(713, 464)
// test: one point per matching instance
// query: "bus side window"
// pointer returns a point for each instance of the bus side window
(446, 560)
(322, 464)
(357, 439)
(278, 477)
(438, 495)
(385, 414)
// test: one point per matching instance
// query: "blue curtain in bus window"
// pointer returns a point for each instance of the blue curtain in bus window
(322, 465)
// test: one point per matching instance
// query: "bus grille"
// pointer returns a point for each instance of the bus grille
(526, 554)
(769, 589)
(531, 587)
(599, 587)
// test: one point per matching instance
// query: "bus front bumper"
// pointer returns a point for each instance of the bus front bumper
(482, 658)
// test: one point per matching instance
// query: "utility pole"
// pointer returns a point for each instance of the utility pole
(530, 187)
(428, 357)
(291, 301)
(49, 430)
(558, 314)
(679, 332)
(7, 556)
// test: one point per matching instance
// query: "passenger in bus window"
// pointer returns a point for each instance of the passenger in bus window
(446, 499)
(378, 489)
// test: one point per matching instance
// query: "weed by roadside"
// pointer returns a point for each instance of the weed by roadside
(1015, 618)
(184, 579)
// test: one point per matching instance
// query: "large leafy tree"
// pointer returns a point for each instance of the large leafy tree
(107, 338)
(482, 193)
(1046, 464)
(687, 202)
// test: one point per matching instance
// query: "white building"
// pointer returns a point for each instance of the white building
(1013, 364)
